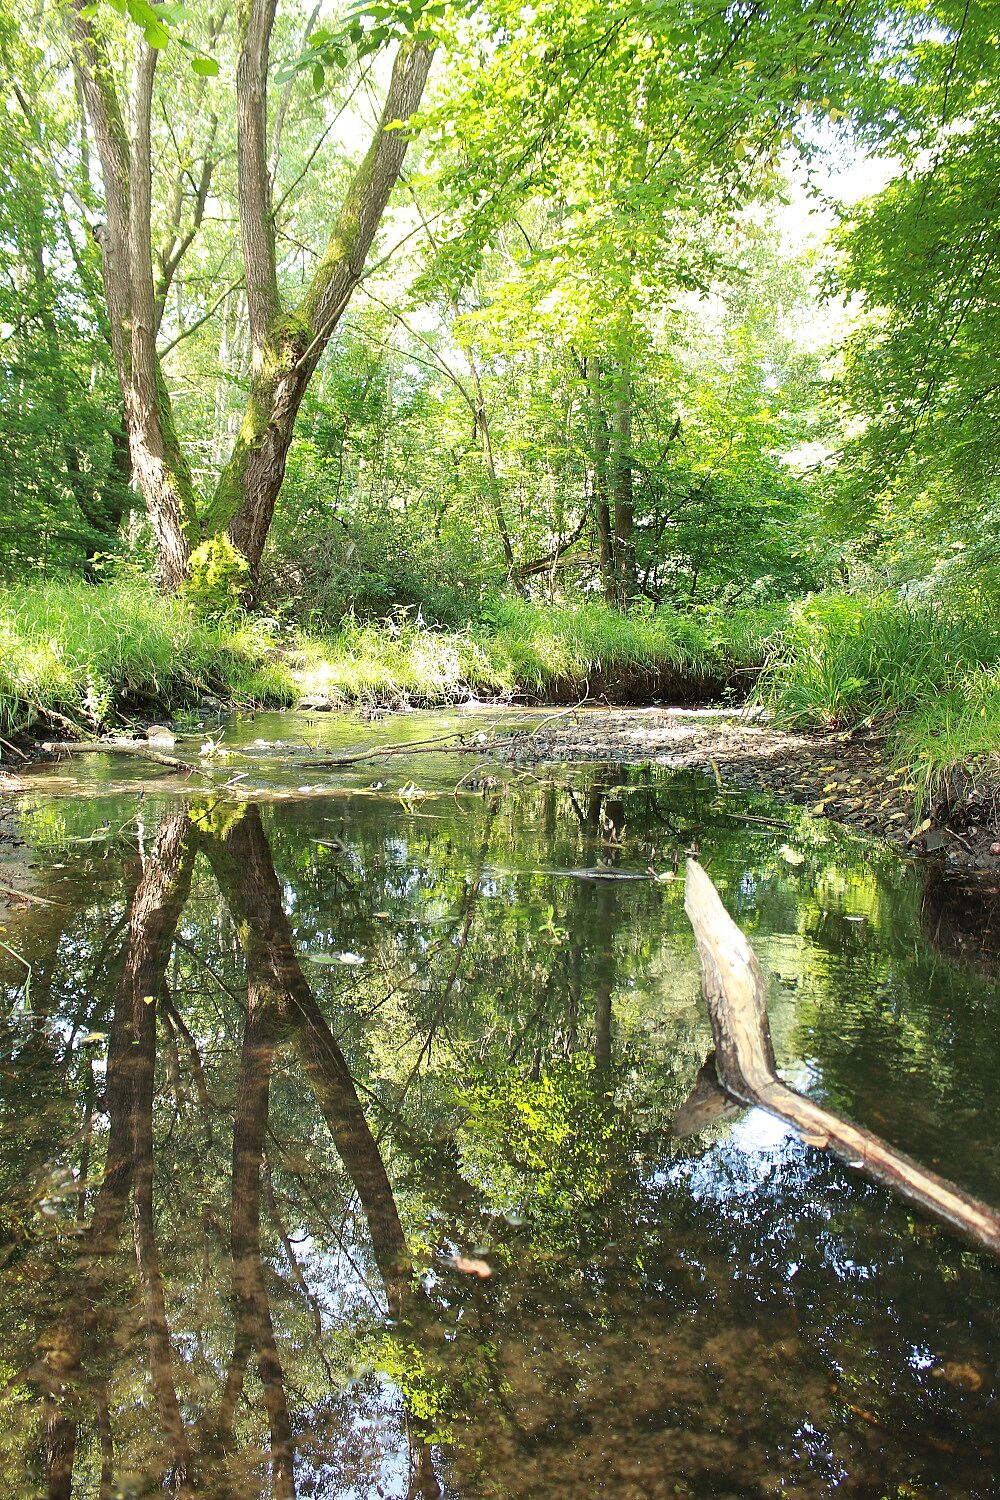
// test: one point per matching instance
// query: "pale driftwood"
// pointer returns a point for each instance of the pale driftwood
(141, 749)
(744, 1058)
(706, 1104)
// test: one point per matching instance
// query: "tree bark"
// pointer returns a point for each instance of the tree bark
(628, 583)
(287, 345)
(600, 443)
(159, 468)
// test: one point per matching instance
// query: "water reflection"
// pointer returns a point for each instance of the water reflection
(286, 1082)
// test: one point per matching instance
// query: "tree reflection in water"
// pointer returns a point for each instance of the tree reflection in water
(235, 1276)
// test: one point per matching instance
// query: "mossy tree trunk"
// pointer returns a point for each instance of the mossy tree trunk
(287, 344)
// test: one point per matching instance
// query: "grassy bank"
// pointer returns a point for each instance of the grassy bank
(928, 679)
(551, 653)
(94, 656)
(97, 656)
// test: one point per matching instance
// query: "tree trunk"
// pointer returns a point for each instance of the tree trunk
(159, 468)
(600, 444)
(628, 583)
(288, 345)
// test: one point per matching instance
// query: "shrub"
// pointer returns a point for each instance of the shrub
(218, 578)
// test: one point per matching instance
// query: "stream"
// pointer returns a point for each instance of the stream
(337, 1147)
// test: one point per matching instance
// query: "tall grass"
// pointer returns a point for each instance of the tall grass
(91, 654)
(534, 650)
(929, 678)
(843, 661)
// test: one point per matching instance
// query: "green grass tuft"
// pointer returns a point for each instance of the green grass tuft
(927, 677)
(93, 655)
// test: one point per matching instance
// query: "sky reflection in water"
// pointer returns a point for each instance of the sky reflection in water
(283, 1149)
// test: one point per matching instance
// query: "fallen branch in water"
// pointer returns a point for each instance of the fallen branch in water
(139, 748)
(9, 890)
(734, 988)
(444, 744)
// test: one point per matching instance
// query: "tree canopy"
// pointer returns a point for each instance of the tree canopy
(402, 306)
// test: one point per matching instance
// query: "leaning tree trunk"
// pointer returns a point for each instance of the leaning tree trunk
(287, 345)
(159, 468)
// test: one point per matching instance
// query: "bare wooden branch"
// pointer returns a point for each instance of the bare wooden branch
(139, 748)
(735, 991)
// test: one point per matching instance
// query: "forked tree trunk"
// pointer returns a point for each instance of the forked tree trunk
(159, 468)
(287, 344)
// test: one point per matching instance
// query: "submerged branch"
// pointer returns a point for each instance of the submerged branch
(734, 988)
(140, 748)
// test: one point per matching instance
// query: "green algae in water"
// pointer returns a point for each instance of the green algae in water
(420, 1224)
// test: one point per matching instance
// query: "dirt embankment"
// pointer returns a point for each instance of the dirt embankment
(840, 776)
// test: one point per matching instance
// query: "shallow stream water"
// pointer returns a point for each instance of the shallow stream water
(337, 1147)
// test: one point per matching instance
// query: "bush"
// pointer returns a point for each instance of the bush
(218, 578)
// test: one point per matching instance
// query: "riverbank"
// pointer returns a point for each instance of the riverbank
(881, 714)
(847, 776)
(83, 659)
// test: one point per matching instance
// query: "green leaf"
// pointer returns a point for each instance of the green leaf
(142, 13)
(205, 67)
(318, 76)
(156, 35)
